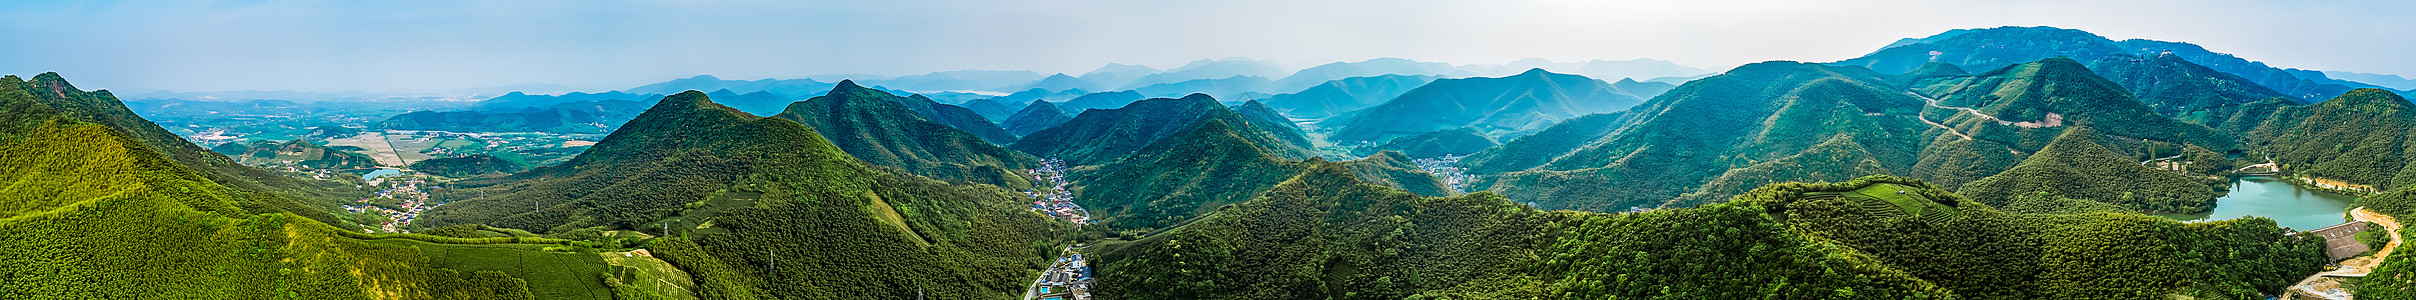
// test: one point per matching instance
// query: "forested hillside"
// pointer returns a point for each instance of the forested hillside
(1325, 234)
(726, 182)
(1494, 106)
(876, 127)
(96, 214)
(1781, 121)
(1102, 136)
(2359, 138)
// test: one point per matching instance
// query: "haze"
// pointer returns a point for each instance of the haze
(422, 46)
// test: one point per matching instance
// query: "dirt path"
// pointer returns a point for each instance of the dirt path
(1924, 116)
(2354, 267)
(2363, 265)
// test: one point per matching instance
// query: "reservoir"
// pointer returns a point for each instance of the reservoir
(2271, 197)
(380, 172)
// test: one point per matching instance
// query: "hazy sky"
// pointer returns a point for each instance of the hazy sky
(399, 46)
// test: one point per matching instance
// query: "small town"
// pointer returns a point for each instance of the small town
(1070, 276)
(414, 200)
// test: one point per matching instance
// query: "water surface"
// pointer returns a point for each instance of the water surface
(2270, 197)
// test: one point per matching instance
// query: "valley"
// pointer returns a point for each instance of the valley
(2013, 162)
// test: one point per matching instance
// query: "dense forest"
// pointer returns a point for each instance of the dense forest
(880, 129)
(722, 182)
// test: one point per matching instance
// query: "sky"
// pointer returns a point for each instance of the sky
(440, 45)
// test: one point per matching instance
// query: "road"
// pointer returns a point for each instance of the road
(2354, 267)
(1924, 115)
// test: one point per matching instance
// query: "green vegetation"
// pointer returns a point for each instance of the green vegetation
(254, 190)
(2182, 90)
(1456, 141)
(1182, 176)
(468, 166)
(1104, 136)
(876, 127)
(567, 117)
(1992, 254)
(1495, 106)
(962, 119)
(1394, 169)
(1040, 115)
(1827, 123)
(2360, 138)
(2076, 166)
(295, 153)
(1693, 136)
(1325, 235)
(95, 214)
(763, 208)
(1340, 96)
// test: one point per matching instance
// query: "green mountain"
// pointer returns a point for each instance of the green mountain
(881, 130)
(1742, 121)
(1229, 87)
(1040, 115)
(255, 190)
(1455, 141)
(1980, 252)
(1991, 48)
(991, 109)
(1102, 136)
(2182, 90)
(1265, 118)
(2358, 138)
(468, 166)
(2075, 166)
(1312, 76)
(1101, 100)
(710, 83)
(766, 208)
(1839, 159)
(1396, 170)
(93, 212)
(1495, 106)
(1193, 171)
(296, 153)
(1692, 135)
(1060, 82)
(758, 102)
(1339, 96)
(1326, 235)
(958, 117)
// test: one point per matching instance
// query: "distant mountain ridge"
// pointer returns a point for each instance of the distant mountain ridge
(1495, 106)
(1989, 48)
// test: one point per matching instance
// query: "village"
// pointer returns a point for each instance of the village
(413, 198)
(1069, 277)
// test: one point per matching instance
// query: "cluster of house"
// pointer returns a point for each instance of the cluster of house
(415, 200)
(1447, 168)
(1054, 198)
(1070, 280)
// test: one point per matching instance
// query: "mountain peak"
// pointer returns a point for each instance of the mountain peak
(704, 77)
(1198, 97)
(1534, 72)
(2369, 96)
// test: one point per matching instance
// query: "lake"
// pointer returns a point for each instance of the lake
(380, 172)
(2270, 197)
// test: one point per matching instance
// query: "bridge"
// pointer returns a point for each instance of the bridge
(2340, 241)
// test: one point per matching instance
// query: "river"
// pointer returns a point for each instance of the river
(2270, 197)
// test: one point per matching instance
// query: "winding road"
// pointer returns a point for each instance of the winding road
(1924, 115)
(2354, 267)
